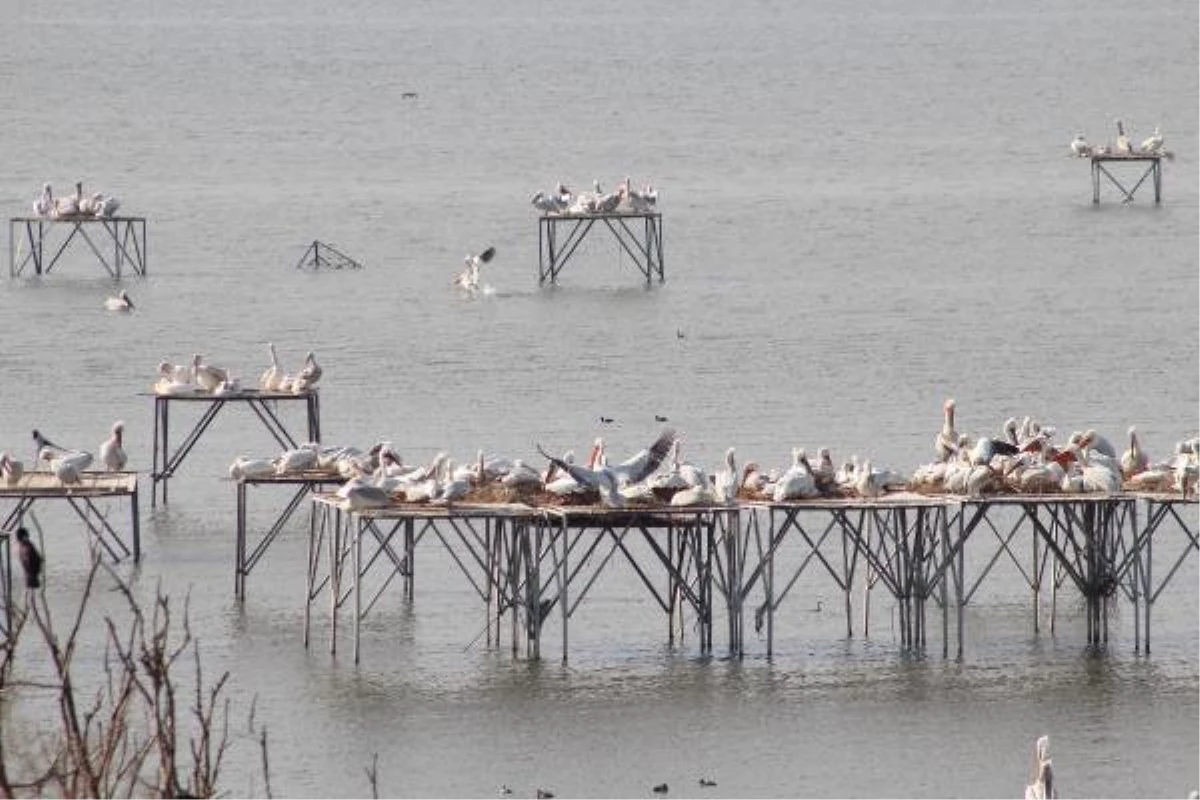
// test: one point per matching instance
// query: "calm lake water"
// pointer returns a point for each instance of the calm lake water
(868, 208)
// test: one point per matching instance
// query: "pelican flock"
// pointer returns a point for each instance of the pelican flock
(74, 205)
(1124, 146)
(625, 199)
(201, 377)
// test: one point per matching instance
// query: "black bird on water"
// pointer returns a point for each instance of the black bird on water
(545, 794)
(659, 418)
(660, 789)
(707, 782)
(30, 558)
(606, 420)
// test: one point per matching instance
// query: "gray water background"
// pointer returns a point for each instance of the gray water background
(868, 208)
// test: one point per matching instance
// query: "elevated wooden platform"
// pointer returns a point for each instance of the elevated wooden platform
(38, 486)
(263, 404)
(119, 242)
(639, 235)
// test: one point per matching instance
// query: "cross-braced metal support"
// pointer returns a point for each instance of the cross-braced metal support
(320, 256)
(263, 404)
(82, 498)
(1160, 510)
(6, 586)
(1100, 168)
(640, 236)
(120, 242)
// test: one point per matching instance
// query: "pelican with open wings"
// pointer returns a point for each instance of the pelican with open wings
(609, 480)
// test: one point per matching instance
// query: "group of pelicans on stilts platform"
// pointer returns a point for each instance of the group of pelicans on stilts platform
(202, 378)
(74, 206)
(1151, 146)
(67, 464)
(564, 202)
(1022, 459)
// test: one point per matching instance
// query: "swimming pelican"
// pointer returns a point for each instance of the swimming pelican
(1154, 143)
(11, 469)
(1124, 146)
(309, 375)
(112, 453)
(468, 279)
(272, 379)
(44, 204)
(206, 376)
(946, 442)
(1080, 147)
(1042, 787)
(634, 470)
(121, 302)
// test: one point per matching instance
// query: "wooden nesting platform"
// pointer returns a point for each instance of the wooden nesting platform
(1101, 168)
(638, 233)
(263, 404)
(120, 241)
(37, 486)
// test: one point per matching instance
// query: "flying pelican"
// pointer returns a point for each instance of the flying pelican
(30, 558)
(468, 279)
(1124, 146)
(206, 376)
(112, 453)
(272, 379)
(634, 470)
(1154, 143)
(1079, 147)
(309, 375)
(44, 204)
(11, 469)
(121, 302)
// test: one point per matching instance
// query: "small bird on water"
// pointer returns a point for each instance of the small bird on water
(707, 782)
(544, 794)
(659, 418)
(30, 558)
(606, 420)
(660, 789)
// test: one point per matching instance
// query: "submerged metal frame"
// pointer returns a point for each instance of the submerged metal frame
(646, 249)
(127, 234)
(261, 403)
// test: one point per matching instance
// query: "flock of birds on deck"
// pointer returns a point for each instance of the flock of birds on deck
(1151, 146)
(74, 205)
(564, 202)
(67, 464)
(207, 378)
(1022, 459)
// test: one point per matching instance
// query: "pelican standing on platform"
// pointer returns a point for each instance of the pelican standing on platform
(121, 302)
(112, 452)
(1153, 144)
(206, 376)
(309, 375)
(272, 379)
(1124, 146)
(1079, 147)
(11, 470)
(44, 204)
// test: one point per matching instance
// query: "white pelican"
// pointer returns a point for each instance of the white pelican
(824, 472)
(121, 302)
(701, 494)
(1080, 147)
(91, 205)
(11, 469)
(44, 204)
(230, 385)
(1042, 787)
(65, 464)
(946, 442)
(608, 203)
(1133, 460)
(451, 488)
(309, 375)
(1154, 143)
(361, 496)
(272, 379)
(174, 373)
(108, 206)
(206, 376)
(635, 470)
(549, 204)
(69, 206)
(297, 460)
(1091, 440)
(521, 474)
(243, 467)
(725, 488)
(1124, 146)
(112, 452)
(468, 279)
(798, 482)
(867, 484)
(1152, 479)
